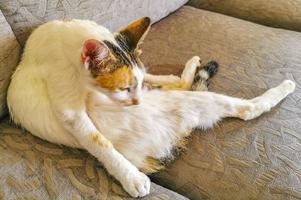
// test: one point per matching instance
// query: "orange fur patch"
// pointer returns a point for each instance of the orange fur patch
(101, 140)
(176, 86)
(120, 78)
(152, 165)
(182, 144)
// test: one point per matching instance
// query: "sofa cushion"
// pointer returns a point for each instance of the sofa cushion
(275, 13)
(258, 159)
(31, 168)
(24, 15)
(9, 56)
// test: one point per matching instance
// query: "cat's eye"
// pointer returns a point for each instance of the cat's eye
(125, 89)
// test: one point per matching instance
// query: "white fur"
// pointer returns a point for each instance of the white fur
(51, 97)
(190, 68)
(161, 79)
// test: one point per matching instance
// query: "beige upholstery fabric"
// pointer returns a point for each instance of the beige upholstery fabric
(258, 159)
(9, 56)
(276, 13)
(25, 15)
(37, 170)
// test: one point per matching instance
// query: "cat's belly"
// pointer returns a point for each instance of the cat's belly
(30, 107)
(139, 132)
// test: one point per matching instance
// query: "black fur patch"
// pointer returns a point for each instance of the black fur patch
(211, 67)
(118, 52)
(201, 83)
(122, 42)
(124, 45)
(122, 51)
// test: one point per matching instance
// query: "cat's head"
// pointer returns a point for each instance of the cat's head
(115, 66)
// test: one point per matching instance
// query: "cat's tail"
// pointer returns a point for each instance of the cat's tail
(202, 76)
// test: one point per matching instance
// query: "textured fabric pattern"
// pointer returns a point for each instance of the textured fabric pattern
(258, 159)
(276, 13)
(9, 56)
(34, 169)
(25, 15)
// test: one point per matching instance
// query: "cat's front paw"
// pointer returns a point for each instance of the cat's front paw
(136, 184)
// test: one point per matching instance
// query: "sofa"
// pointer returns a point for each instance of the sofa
(257, 45)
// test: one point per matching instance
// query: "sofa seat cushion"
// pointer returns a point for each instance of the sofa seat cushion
(31, 168)
(258, 159)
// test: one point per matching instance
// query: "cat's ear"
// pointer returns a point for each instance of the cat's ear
(94, 51)
(134, 33)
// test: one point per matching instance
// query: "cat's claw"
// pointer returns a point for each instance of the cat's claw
(137, 184)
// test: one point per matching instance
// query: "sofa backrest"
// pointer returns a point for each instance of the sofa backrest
(25, 15)
(275, 13)
(9, 56)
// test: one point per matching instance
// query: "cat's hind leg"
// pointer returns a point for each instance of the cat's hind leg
(172, 82)
(190, 70)
(204, 109)
(194, 77)
(261, 104)
(252, 108)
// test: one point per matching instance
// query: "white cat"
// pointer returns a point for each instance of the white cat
(73, 75)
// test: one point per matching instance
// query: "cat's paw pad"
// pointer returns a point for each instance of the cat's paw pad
(288, 86)
(137, 184)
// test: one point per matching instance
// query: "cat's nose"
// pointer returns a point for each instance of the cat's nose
(135, 101)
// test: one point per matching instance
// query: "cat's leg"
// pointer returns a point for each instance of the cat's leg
(73, 117)
(190, 70)
(204, 109)
(158, 80)
(261, 104)
(133, 181)
(250, 109)
(172, 82)
(194, 77)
